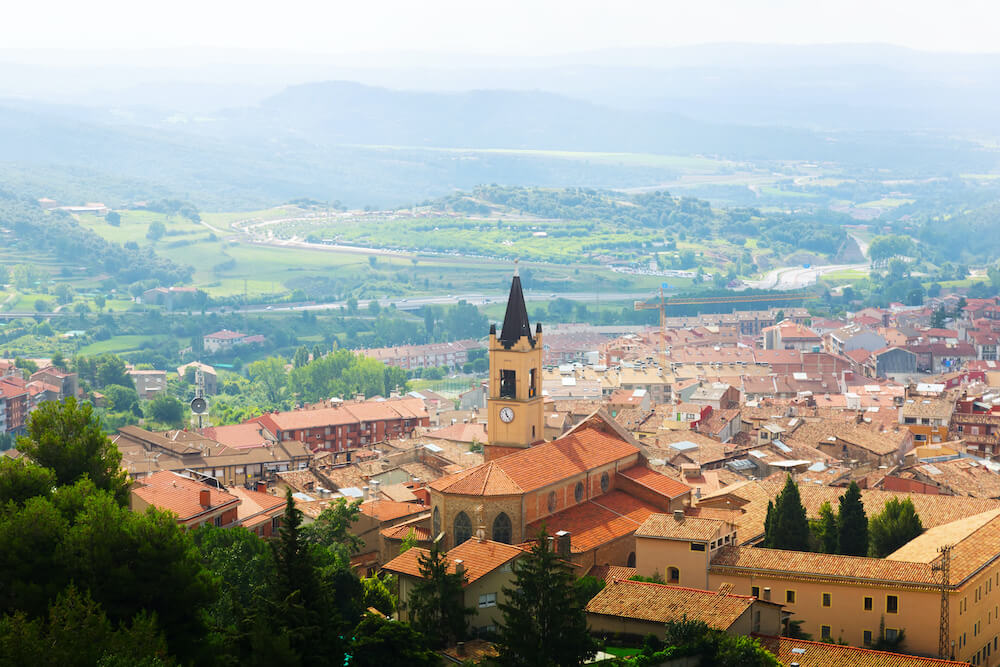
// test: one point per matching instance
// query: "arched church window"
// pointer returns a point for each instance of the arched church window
(436, 523)
(578, 492)
(552, 501)
(502, 529)
(605, 482)
(463, 528)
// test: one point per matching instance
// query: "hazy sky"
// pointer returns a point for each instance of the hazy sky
(522, 27)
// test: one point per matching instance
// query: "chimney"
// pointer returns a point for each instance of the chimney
(460, 649)
(364, 491)
(205, 498)
(563, 544)
(678, 515)
(262, 487)
(459, 566)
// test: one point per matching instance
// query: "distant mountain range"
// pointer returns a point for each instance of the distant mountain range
(223, 138)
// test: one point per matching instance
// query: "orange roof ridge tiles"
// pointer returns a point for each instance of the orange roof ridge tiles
(827, 567)
(822, 654)
(597, 521)
(655, 481)
(479, 558)
(661, 603)
(577, 451)
(690, 528)
(170, 491)
(388, 510)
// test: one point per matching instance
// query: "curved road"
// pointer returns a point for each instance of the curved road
(794, 278)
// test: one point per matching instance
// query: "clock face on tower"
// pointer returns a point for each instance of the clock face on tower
(506, 415)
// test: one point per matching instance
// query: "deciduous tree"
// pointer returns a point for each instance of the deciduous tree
(894, 526)
(67, 438)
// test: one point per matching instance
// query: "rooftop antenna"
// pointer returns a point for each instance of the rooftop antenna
(516, 273)
(945, 631)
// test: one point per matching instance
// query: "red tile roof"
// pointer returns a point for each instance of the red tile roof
(608, 573)
(821, 654)
(661, 603)
(597, 521)
(655, 481)
(388, 510)
(589, 446)
(472, 432)
(181, 495)
(237, 436)
(478, 557)
(255, 506)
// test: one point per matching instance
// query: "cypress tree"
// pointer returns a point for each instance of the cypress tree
(786, 526)
(852, 524)
(436, 601)
(543, 619)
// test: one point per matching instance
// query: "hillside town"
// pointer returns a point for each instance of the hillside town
(654, 460)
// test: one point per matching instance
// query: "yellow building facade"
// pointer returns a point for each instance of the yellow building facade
(515, 406)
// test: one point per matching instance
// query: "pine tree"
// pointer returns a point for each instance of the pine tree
(852, 524)
(786, 526)
(544, 622)
(436, 601)
(894, 526)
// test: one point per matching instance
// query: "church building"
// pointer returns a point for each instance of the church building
(590, 488)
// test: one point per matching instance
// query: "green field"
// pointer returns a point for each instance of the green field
(887, 202)
(119, 344)
(230, 265)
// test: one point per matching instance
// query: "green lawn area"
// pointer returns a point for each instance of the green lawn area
(621, 651)
(119, 344)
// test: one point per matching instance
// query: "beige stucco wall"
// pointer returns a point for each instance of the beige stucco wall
(846, 615)
(657, 555)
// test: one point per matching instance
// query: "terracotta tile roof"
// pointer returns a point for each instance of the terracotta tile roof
(688, 528)
(660, 603)
(933, 510)
(473, 432)
(826, 567)
(181, 495)
(608, 573)
(255, 504)
(400, 531)
(238, 435)
(821, 654)
(655, 481)
(597, 521)
(388, 510)
(479, 558)
(587, 447)
(225, 334)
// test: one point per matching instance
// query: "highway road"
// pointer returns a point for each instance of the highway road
(795, 278)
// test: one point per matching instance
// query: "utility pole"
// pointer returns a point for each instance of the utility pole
(944, 637)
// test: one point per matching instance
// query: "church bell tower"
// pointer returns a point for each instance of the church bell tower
(516, 410)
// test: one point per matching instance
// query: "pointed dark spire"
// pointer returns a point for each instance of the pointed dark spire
(515, 321)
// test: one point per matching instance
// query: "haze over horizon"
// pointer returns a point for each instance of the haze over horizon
(520, 28)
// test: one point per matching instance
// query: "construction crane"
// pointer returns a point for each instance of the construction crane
(663, 303)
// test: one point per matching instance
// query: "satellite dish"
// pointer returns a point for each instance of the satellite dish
(199, 406)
